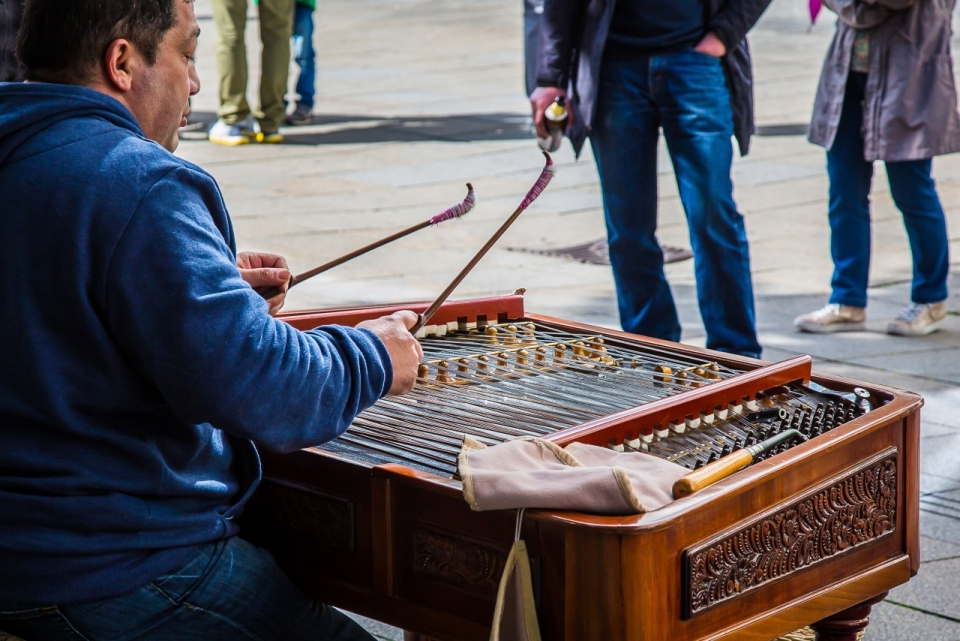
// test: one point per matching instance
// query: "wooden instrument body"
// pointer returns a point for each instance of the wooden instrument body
(796, 538)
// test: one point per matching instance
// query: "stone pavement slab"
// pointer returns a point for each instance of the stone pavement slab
(890, 622)
(927, 590)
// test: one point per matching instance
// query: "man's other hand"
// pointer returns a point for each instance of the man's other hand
(265, 270)
(712, 46)
(540, 99)
(405, 351)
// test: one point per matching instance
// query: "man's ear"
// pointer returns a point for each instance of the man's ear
(121, 62)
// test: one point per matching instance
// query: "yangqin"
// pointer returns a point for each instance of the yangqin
(811, 533)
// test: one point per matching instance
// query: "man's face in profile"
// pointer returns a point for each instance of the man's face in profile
(165, 87)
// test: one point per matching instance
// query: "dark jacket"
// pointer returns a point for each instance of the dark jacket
(910, 104)
(10, 13)
(574, 33)
(137, 368)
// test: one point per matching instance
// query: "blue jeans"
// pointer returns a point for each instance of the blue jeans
(304, 54)
(915, 195)
(231, 590)
(685, 93)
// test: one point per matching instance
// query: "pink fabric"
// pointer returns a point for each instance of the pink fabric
(814, 6)
(546, 176)
(532, 473)
(457, 210)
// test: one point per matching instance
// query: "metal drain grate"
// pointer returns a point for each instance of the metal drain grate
(597, 253)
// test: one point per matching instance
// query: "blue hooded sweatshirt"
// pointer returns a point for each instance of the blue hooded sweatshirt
(137, 368)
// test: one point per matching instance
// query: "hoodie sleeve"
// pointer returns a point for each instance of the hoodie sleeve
(193, 327)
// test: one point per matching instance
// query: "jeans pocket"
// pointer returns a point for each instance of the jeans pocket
(179, 584)
(45, 622)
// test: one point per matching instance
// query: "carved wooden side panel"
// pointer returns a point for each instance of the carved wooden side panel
(842, 514)
(325, 518)
(466, 564)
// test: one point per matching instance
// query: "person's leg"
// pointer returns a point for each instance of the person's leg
(276, 29)
(230, 591)
(532, 11)
(849, 209)
(304, 55)
(230, 17)
(691, 90)
(624, 141)
(915, 194)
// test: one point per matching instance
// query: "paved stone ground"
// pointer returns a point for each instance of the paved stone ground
(418, 96)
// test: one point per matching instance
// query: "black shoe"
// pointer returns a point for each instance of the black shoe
(302, 115)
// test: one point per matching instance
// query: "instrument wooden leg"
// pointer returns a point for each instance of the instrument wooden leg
(848, 624)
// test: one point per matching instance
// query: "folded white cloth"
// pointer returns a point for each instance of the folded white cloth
(529, 472)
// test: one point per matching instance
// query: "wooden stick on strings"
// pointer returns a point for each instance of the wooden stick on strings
(545, 176)
(724, 467)
(456, 211)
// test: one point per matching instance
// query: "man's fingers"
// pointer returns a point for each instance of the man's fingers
(407, 317)
(266, 276)
(274, 275)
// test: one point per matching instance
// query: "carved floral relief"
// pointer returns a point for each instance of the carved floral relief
(856, 510)
(467, 565)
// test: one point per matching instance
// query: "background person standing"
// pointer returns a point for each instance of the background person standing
(886, 93)
(682, 65)
(305, 56)
(234, 124)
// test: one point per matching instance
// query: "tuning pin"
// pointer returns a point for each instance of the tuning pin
(560, 352)
(443, 372)
(530, 334)
(483, 366)
(664, 374)
(523, 362)
(540, 356)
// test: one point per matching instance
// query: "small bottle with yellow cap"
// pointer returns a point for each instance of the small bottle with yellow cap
(556, 120)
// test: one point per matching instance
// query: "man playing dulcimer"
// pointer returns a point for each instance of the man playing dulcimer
(139, 366)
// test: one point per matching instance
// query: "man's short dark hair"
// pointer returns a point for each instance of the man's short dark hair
(66, 40)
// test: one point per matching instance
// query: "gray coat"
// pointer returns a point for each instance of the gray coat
(910, 106)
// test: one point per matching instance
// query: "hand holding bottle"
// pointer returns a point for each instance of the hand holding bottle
(543, 98)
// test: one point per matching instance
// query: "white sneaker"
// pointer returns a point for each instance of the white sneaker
(919, 319)
(230, 135)
(833, 318)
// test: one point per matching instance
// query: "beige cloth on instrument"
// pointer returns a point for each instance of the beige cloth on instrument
(532, 473)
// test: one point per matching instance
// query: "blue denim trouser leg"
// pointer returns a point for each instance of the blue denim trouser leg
(684, 92)
(304, 54)
(230, 591)
(915, 195)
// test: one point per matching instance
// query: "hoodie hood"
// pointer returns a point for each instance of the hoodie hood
(29, 107)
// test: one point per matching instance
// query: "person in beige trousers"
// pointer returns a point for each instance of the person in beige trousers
(234, 125)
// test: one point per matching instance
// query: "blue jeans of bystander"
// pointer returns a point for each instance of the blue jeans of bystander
(231, 590)
(915, 195)
(304, 54)
(685, 93)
